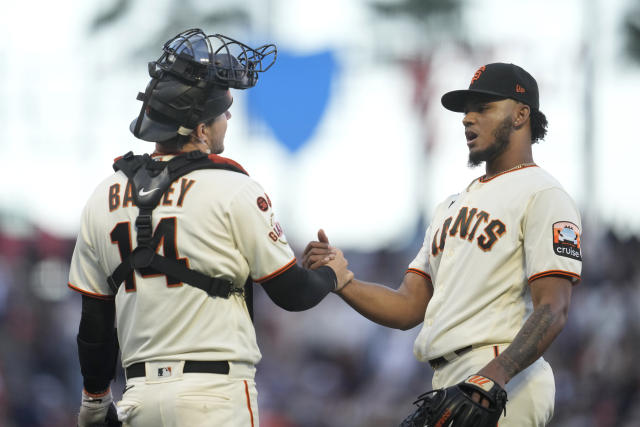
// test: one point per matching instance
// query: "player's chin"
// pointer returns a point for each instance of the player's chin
(476, 157)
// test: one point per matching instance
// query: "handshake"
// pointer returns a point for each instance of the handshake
(319, 253)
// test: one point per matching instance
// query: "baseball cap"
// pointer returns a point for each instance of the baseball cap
(497, 79)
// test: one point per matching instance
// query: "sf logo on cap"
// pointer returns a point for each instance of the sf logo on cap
(476, 76)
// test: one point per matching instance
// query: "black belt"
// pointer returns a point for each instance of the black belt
(207, 367)
(439, 362)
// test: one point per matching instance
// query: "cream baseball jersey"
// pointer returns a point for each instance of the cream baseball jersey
(218, 222)
(483, 247)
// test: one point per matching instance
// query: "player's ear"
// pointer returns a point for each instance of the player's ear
(521, 115)
(200, 130)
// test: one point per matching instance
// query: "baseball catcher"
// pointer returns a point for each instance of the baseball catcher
(170, 247)
(477, 401)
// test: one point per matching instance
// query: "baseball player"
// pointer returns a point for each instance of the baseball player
(493, 279)
(168, 248)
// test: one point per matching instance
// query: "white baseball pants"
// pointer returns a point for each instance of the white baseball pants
(167, 397)
(530, 394)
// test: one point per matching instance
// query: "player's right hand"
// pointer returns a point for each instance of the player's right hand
(318, 253)
(339, 265)
(97, 410)
(322, 253)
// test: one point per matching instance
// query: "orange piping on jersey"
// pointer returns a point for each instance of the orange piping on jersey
(419, 273)
(482, 178)
(278, 271)
(91, 294)
(246, 390)
(496, 351)
(555, 273)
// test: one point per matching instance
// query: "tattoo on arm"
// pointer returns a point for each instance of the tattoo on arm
(526, 347)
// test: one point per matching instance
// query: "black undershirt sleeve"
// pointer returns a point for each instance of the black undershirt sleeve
(97, 343)
(299, 289)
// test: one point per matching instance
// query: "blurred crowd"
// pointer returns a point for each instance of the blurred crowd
(327, 366)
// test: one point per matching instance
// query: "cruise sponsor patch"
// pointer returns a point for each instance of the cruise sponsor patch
(566, 240)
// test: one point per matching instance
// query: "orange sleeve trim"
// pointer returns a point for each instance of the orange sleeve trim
(278, 271)
(419, 273)
(246, 390)
(91, 294)
(555, 273)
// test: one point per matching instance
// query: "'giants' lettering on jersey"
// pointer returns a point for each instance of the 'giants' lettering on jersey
(465, 226)
(167, 200)
(277, 234)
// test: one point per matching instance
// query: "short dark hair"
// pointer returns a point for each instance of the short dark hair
(538, 125)
(177, 142)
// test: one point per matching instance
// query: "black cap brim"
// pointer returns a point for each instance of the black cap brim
(456, 99)
(153, 131)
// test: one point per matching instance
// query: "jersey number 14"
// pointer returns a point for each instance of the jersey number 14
(164, 235)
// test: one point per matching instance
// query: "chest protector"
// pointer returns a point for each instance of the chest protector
(149, 180)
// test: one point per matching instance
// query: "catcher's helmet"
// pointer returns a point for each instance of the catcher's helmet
(190, 82)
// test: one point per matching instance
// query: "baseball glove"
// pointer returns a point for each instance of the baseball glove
(453, 406)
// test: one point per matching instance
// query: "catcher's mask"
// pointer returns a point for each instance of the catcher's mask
(190, 82)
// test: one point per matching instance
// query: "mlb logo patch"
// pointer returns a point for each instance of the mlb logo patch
(164, 372)
(566, 240)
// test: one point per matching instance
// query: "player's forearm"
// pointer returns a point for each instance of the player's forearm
(299, 289)
(535, 336)
(97, 344)
(383, 305)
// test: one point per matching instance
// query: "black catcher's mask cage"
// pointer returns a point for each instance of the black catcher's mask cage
(189, 82)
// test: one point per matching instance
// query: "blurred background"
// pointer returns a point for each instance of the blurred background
(345, 132)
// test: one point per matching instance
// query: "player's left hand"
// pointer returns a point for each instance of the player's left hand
(318, 253)
(98, 410)
(455, 406)
(492, 371)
